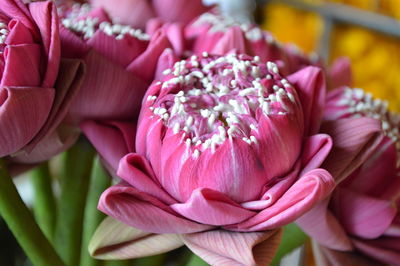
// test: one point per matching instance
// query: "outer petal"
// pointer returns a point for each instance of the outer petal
(166, 60)
(310, 85)
(315, 150)
(108, 91)
(354, 141)
(145, 212)
(45, 16)
(362, 216)
(323, 227)
(115, 240)
(385, 250)
(219, 247)
(23, 111)
(113, 140)
(301, 197)
(340, 73)
(233, 39)
(19, 11)
(182, 11)
(131, 12)
(212, 207)
(330, 257)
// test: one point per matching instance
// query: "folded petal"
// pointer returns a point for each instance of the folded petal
(362, 216)
(316, 148)
(22, 66)
(19, 33)
(340, 73)
(118, 135)
(233, 39)
(108, 91)
(220, 247)
(145, 212)
(23, 111)
(167, 60)
(45, 16)
(310, 85)
(212, 207)
(385, 250)
(320, 224)
(114, 240)
(310, 189)
(19, 11)
(354, 141)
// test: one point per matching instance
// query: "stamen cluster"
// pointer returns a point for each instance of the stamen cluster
(3, 32)
(214, 98)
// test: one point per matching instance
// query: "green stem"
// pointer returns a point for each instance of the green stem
(21, 222)
(118, 263)
(99, 182)
(196, 261)
(44, 204)
(74, 181)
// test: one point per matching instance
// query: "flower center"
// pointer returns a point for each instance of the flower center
(214, 98)
(3, 35)
(79, 20)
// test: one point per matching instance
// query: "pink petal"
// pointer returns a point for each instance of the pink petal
(22, 66)
(129, 12)
(340, 73)
(233, 39)
(219, 247)
(354, 141)
(144, 66)
(212, 207)
(111, 48)
(23, 111)
(145, 212)
(267, 51)
(108, 91)
(300, 198)
(316, 148)
(72, 46)
(45, 16)
(112, 140)
(384, 250)
(114, 240)
(19, 11)
(166, 60)
(136, 171)
(310, 85)
(330, 257)
(362, 216)
(176, 37)
(181, 11)
(19, 34)
(320, 224)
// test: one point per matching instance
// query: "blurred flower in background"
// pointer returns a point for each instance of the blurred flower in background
(369, 51)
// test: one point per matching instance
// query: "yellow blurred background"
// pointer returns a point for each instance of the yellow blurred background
(375, 57)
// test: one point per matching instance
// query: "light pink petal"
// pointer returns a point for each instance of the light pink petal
(316, 148)
(330, 257)
(233, 39)
(45, 16)
(153, 144)
(23, 111)
(130, 12)
(145, 212)
(219, 247)
(22, 66)
(310, 189)
(181, 11)
(362, 216)
(385, 250)
(212, 207)
(108, 91)
(114, 240)
(136, 171)
(340, 73)
(112, 140)
(310, 85)
(320, 224)
(144, 66)
(111, 47)
(166, 60)
(354, 141)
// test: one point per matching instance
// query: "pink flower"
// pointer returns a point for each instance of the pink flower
(224, 144)
(35, 87)
(362, 215)
(121, 62)
(137, 12)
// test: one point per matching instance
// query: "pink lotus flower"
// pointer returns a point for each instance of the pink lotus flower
(137, 12)
(35, 88)
(226, 147)
(360, 223)
(121, 62)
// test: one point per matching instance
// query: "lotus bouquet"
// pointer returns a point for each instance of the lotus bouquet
(210, 134)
